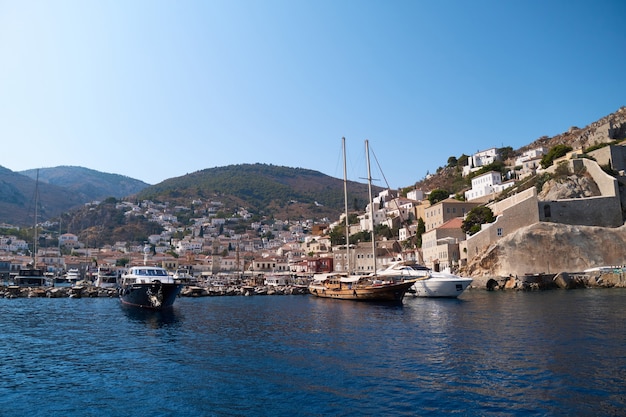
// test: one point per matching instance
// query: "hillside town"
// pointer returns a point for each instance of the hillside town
(212, 249)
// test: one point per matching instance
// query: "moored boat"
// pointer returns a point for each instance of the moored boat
(427, 283)
(148, 287)
(72, 276)
(107, 277)
(359, 288)
(31, 277)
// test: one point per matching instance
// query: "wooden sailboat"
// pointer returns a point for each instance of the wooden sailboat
(359, 287)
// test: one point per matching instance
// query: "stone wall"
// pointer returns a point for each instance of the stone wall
(612, 155)
(512, 213)
(604, 211)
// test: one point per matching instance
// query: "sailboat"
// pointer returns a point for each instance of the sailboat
(359, 287)
(31, 276)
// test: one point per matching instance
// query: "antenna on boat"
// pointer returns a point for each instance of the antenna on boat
(146, 250)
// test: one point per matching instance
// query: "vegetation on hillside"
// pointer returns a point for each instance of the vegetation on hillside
(475, 218)
(263, 189)
(104, 223)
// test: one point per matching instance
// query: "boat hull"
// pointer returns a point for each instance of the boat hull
(440, 287)
(386, 292)
(154, 296)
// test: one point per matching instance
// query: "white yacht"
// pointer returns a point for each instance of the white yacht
(429, 283)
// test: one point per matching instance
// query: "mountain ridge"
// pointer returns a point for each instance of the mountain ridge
(93, 185)
(285, 192)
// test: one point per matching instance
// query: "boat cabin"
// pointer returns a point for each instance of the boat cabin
(146, 275)
(30, 277)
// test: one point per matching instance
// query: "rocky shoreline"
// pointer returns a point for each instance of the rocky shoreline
(90, 291)
(607, 278)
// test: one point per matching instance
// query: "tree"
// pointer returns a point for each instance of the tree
(383, 231)
(452, 161)
(554, 153)
(122, 262)
(475, 218)
(506, 152)
(421, 229)
(437, 195)
(337, 235)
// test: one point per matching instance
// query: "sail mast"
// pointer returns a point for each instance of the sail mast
(345, 198)
(35, 234)
(369, 182)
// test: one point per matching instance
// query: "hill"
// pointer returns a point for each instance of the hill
(89, 184)
(267, 190)
(605, 130)
(17, 199)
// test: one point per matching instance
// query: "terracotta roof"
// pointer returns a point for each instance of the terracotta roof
(452, 223)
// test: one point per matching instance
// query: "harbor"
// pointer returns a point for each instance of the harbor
(606, 277)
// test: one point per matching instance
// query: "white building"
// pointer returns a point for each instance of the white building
(69, 240)
(487, 185)
(417, 195)
(480, 159)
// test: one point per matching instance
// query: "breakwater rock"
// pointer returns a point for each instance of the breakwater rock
(601, 278)
(13, 291)
(245, 290)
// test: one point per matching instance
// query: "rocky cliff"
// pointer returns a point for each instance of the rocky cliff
(606, 129)
(551, 248)
(569, 187)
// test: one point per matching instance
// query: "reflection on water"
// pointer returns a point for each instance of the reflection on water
(152, 318)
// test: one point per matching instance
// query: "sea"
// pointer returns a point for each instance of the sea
(548, 353)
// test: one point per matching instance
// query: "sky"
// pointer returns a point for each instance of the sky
(158, 89)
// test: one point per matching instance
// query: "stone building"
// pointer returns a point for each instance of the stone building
(445, 210)
(440, 246)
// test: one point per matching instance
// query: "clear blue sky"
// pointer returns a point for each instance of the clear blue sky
(158, 89)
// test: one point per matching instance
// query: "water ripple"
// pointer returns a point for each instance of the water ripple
(515, 354)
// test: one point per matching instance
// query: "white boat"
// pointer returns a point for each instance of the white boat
(183, 276)
(429, 283)
(107, 277)
(72, 276)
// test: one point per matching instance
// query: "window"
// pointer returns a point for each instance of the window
(499, 231)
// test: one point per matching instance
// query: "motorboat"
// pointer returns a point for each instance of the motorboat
(31, 277)
(427, 283)
(148, 287)
(107, 277)
(72, 276)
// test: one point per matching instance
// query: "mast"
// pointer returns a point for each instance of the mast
(35, 235)
(345, 199)
(369, 183)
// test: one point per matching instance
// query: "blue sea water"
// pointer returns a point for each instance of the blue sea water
(486, 353)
